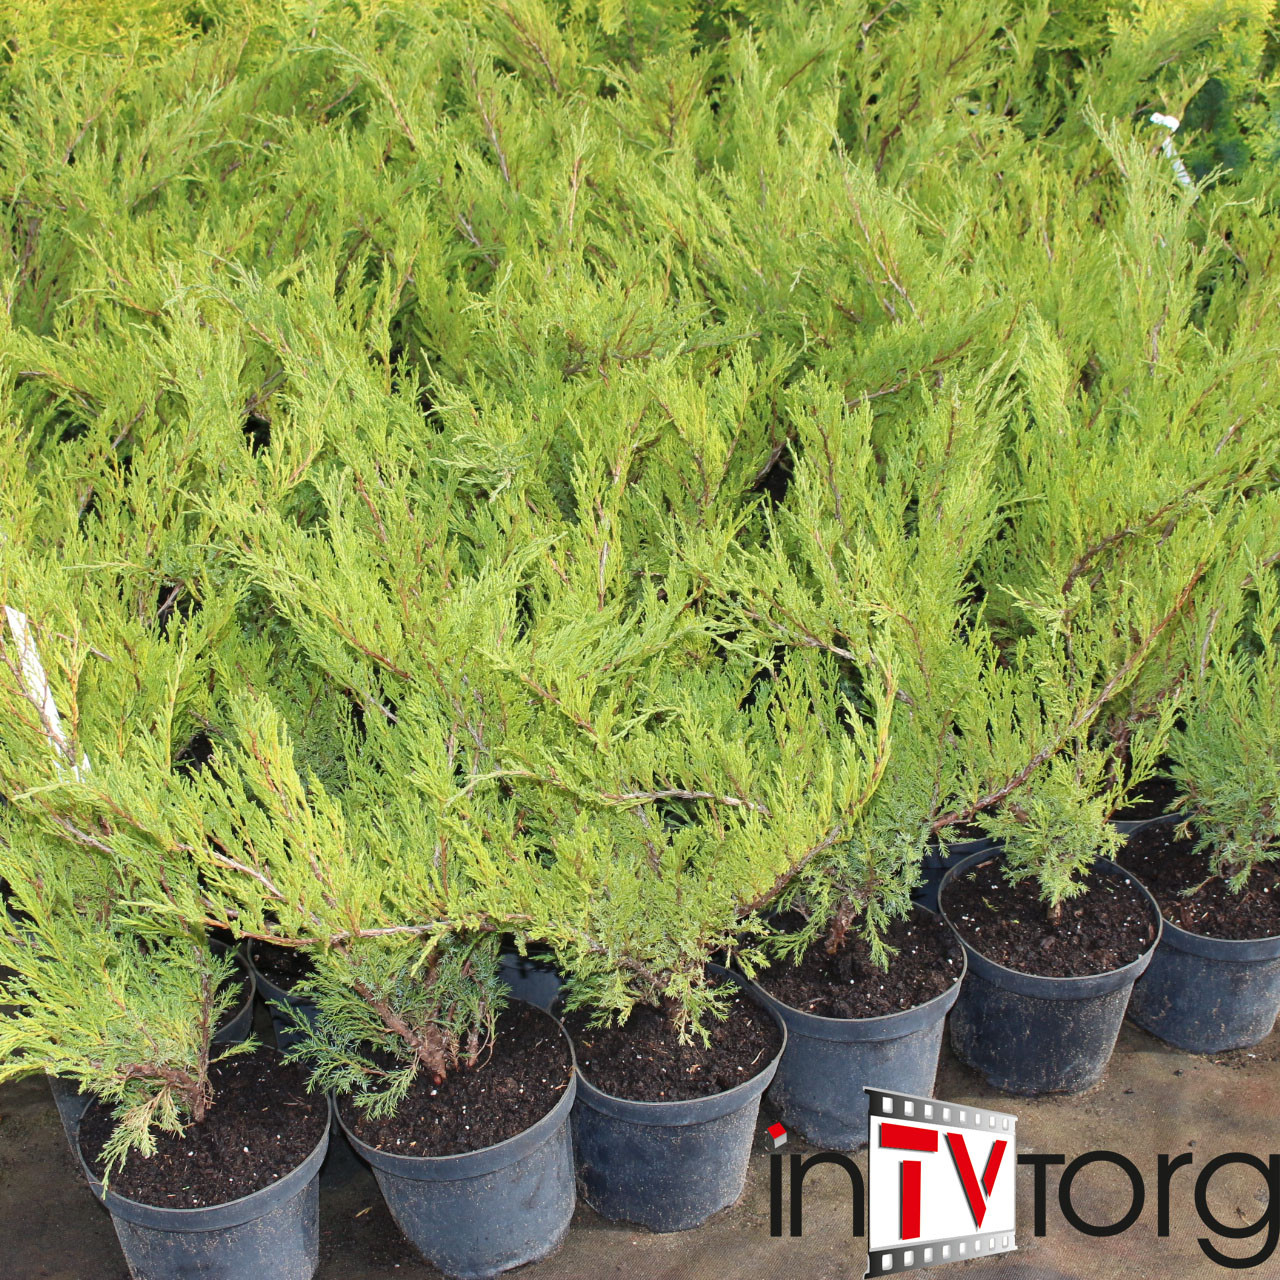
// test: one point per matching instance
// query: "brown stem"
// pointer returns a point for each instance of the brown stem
(432, 1048)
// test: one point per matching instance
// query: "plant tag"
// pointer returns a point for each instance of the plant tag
(1179, 169)
(36, 686)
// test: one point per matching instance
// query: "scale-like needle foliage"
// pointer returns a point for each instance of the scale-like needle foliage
(1225, 755)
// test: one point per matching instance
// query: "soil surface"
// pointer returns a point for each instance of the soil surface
(1107, 927)
(1168, 867)
(1155, 797)
(643, 1060)
(849, 985)
(262, 1125)
(503, 1095)
(283, 967)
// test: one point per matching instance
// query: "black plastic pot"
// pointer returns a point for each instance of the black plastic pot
(281, 1002)
(669, 1165)
(530, 978)
(71, 1104)
(273, 1232)
(1207, 995)
(818, 1088)
(1127, 826)
(483, 1212)
(939, 858)
(236, 1029)
(1031, 1034)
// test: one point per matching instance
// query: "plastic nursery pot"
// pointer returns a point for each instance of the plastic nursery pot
(939, 858)
(272, 1232)
(1207, 995)
(1127, 826)
(818, 1088)
(236, 1028)
(280, 1002)
(669, 1165)
(482, 1212)
(531, 979)
(71, 1104)
(1031, 1034)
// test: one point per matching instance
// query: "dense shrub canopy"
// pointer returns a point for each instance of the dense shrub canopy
(588, 475)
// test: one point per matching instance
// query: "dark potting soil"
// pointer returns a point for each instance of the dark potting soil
(1107, 927)
(643, 1059)
(283, 967)
(849, 985)
(262, 1125)
(1155, 797)
(1168, 867)
(511, 1089)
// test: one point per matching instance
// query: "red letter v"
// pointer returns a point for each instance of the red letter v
(969, 1180)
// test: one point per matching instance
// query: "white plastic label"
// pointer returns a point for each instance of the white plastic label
(36, 686)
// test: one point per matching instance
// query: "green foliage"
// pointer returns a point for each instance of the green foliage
(118, 1011)
(1224, 756)
(868, 560)
(107, 588)
(1056, 827)
(383, 1015)
(691, 824)
(592, 474)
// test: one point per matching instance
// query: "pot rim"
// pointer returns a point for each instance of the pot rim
(696, 1110)
(242, 961)
(874, 1022)
(976, 844)
(1207, 947)
(544, 959)
(230, 1213)
(1130, 826)
(1105, 980)
(270, 990)
(483, 1160)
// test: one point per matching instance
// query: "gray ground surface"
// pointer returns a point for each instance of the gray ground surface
(1153, 1099)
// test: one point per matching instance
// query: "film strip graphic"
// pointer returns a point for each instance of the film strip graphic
(941, 1182)
(962, 1249)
